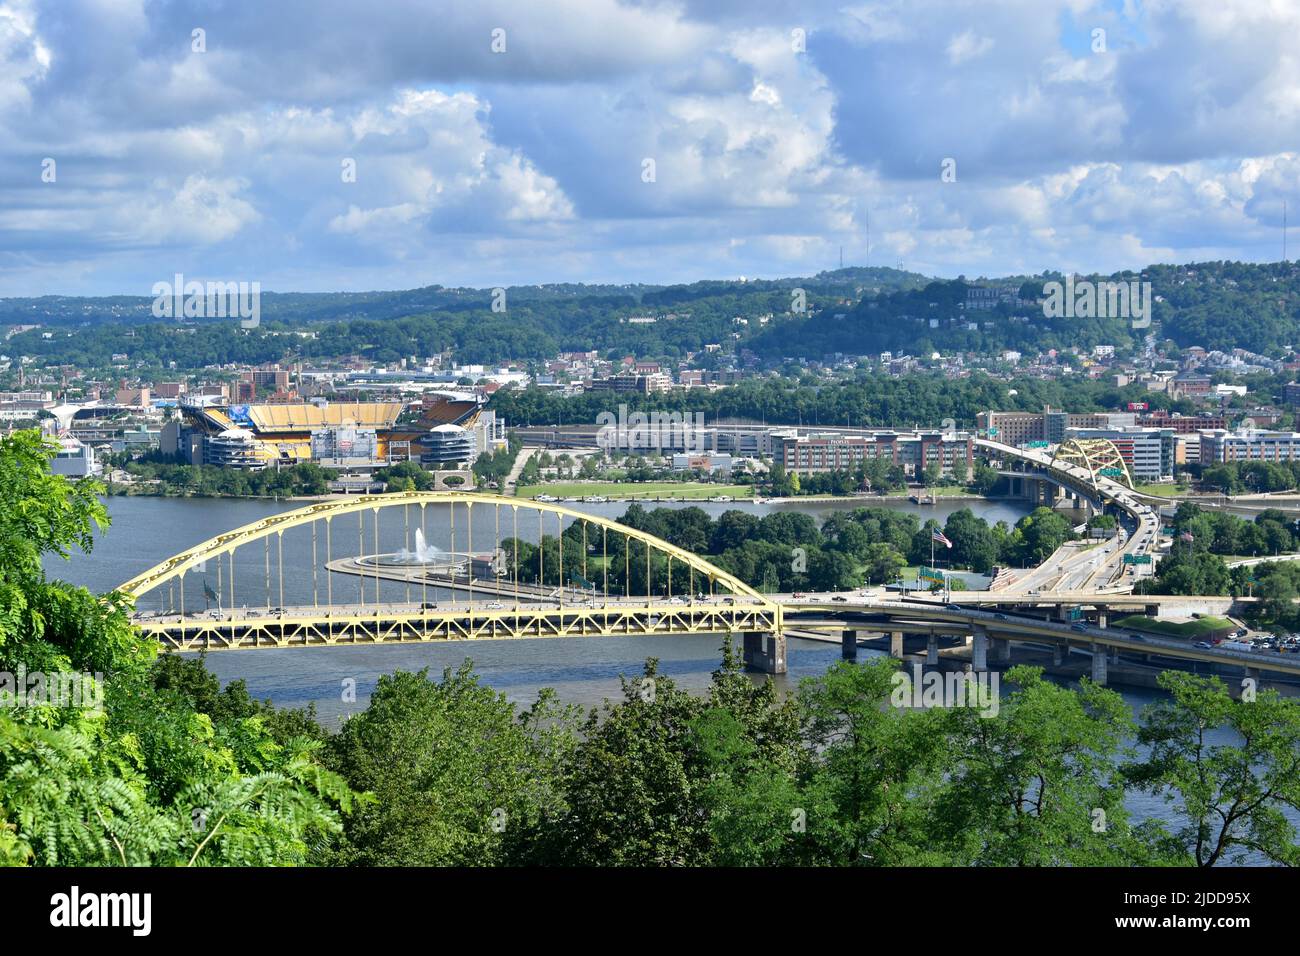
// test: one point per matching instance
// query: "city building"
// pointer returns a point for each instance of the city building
(715, 463)
(1182, 424)
(1191, 385)
(445, 445)
(235, 448)
(74, 458)
(1012, 428)
(1219, 446)
(954, 454)
(643, 384)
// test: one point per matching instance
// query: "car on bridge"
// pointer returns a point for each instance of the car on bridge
(1079, 627)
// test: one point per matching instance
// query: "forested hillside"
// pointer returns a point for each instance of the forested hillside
(852, 312)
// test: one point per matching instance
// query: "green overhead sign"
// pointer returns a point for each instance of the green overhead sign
(933, 575)
(1137, 559)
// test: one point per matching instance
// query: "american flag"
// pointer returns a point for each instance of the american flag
(938, 537)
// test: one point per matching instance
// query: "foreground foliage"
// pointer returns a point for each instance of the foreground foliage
(166, 770)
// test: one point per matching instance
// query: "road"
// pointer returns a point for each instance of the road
(1143, 521)
(856, 611)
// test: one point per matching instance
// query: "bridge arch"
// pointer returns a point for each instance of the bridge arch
(192, 558)
(1098, 455)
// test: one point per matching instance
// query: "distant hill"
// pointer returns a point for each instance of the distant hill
(852, 311)
(307, 307)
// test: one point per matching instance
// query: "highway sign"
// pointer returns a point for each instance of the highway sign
(1137, 559)
(933, 575)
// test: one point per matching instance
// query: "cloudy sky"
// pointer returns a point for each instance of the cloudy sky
(516, 141)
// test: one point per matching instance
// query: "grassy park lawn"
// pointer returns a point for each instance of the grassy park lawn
(1162, 490)
(635, 489)
(1200, 628)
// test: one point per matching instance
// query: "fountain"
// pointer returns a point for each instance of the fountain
(423, 555)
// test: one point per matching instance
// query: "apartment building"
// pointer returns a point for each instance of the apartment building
(1012, 428)
(1182, 424)
(954, 454)
(1219, 446)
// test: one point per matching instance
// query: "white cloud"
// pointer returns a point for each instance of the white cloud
(526, 166)
(201, 210)
(968, 46)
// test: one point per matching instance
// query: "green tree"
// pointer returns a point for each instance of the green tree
(1233, 793)
(168, 771)
(452, 769)
(1037, 783)
(868, 771)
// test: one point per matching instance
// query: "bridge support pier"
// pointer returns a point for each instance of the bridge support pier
(1098, 664)
(896, 644)
(849, 645)
(932, 651)
(1060, 654)
(1001, 650)
(765, 652)
(979, 650)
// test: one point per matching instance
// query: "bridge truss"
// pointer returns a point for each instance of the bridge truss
(519, 573)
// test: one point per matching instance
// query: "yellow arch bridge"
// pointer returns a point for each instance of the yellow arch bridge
(431, 566)
(443, 566)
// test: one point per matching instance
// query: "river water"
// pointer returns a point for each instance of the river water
(583, 671)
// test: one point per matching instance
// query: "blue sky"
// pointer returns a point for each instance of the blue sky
(1176, 141)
